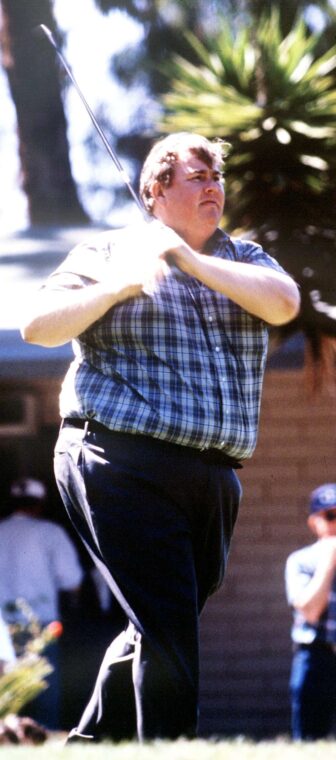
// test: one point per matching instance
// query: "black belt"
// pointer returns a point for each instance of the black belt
(212, 456)
(326, 646)
(89, 425)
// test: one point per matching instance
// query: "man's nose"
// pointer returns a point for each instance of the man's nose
(211, 186)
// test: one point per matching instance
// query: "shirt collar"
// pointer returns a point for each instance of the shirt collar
(218, 239)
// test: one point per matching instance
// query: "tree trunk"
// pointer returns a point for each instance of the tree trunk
(35, 87)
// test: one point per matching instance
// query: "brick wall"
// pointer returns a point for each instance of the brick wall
(245, 643)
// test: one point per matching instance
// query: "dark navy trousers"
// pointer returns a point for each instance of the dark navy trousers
(313, 691)
(157, 519)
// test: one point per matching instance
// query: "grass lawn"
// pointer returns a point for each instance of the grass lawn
(236, 749)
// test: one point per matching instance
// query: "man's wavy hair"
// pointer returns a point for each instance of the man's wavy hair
(160, 162)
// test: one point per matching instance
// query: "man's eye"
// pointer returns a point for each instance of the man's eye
(202, 177)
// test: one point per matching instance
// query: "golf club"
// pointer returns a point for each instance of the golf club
(45, 30)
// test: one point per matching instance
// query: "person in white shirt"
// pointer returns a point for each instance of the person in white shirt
(311, 592)
(37, 562)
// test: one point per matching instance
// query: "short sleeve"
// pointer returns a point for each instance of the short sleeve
(253, 253)
(90, 261)
(297, 576)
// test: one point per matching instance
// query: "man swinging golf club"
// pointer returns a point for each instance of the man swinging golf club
(159, 408)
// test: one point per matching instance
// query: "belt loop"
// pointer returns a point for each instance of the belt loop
(86, 427)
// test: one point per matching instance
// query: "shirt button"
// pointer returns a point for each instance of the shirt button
(210, 319)
(217, 349)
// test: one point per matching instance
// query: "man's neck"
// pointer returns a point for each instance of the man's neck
(198, 243)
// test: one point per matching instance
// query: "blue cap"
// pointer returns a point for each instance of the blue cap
(323, 498)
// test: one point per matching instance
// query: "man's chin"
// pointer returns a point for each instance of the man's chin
(210, 213)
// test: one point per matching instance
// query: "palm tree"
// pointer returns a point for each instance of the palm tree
(163, 24)
(290, 10)
(274, 98)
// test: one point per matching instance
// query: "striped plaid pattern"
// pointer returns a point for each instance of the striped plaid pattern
(181, 362)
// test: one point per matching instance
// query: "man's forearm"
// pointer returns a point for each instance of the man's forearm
(58, 316)
(314, 599)
(261, 291)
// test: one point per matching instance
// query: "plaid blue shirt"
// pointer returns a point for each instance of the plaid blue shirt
(300, 569)
(180, 362)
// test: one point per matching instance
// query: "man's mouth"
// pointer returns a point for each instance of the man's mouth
(210, 201)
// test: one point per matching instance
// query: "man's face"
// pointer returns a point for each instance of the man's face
(324, 523)
(194, 202)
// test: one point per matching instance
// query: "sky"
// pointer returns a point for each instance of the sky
(91, 40)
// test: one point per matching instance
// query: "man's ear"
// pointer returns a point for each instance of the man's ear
(158, 191)
(312, 523)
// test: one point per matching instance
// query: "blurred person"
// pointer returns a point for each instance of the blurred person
(37, 562)
(311, 591)
(160, 407)
(7, 653)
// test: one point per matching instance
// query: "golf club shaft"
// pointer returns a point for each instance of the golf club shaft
(111, 152)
